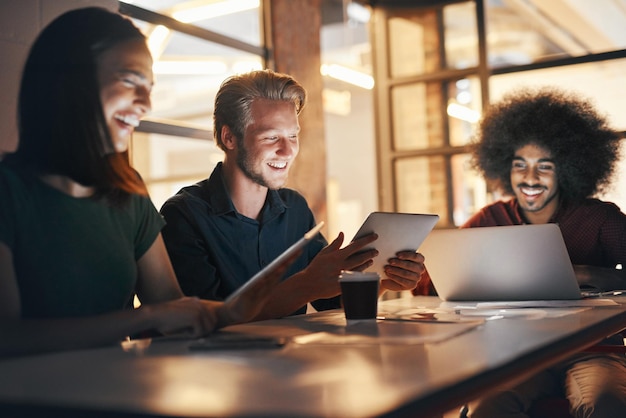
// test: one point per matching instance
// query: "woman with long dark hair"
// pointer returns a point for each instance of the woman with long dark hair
(79, 236)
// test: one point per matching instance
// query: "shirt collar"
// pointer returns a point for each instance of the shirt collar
(222, 204)
(216, 194)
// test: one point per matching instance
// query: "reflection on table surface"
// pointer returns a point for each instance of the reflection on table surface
(325, 369)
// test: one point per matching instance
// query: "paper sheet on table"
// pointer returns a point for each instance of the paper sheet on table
(389, 332)
(518, 313)
(472, 312)
(450, 315)
(576, 303)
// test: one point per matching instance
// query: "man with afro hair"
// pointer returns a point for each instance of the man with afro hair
(551, 153)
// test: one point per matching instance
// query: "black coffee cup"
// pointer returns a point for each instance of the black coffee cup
(359, 293)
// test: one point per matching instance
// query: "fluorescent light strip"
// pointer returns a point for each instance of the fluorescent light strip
(348, 75)
(212, 10)
(358, 13)
(156, 40)
(462, 112)
(183, 67)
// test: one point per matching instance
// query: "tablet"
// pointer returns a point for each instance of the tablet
(237, 342)
(396, 232)
(260, 278)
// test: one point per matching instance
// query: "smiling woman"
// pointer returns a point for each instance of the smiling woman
(57, 136)
(125, 79)
(79, 237)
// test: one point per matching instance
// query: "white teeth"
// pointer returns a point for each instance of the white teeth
(131, 120)
(278, 165)
(532, 192)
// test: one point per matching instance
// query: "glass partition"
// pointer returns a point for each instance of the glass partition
(413, 44)
(461, 35)
(189, 65)
(468, 189)
(421, 186)
(599, 81)
(417, 116)
(523, 32)
(464, 109)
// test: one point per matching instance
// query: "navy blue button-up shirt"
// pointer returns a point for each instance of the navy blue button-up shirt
(215, 250)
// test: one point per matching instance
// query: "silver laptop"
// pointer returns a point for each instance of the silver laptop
(523, 262)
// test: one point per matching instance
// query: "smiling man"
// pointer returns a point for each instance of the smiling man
(536, 185)
(223, 230)
(551, 152)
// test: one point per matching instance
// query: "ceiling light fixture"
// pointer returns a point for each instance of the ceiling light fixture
(209, 11)
(156, 40)
(348, 75)
(458, 111)
(189, 67)
(358, 13)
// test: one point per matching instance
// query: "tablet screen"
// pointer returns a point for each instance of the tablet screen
(396, 232)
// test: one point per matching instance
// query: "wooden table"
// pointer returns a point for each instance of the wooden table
(386, 368)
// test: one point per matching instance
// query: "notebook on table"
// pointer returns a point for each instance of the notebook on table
(501, 263)
(396, 232)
